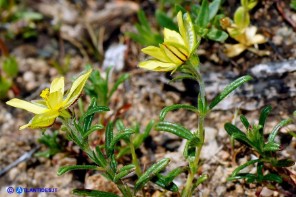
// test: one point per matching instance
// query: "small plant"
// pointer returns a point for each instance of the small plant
(52, 143)
(240, 31)
(99, 86)
(9, 71)
(265, 149)
(145, 36)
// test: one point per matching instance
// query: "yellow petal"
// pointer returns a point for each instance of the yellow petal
(172, 36)
(76, 89)
(173, 57)
(55, 100)
(178, 50)
(156, 52)
(234, 50)
(257, 39)
(31, 107)
(42, 120)
(157, 65)
(182, 29)
(57, 85)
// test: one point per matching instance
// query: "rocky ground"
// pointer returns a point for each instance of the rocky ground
(70, 48)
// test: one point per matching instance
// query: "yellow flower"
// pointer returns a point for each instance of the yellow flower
(53, 103)
(247, 38)
(176, 48)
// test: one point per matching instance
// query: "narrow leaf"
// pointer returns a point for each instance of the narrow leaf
(92, 193)
(123, 172)
(160, 181)
(213, 8)
(88, 119)
(64, 169)
(167, 109)
(92, 129)
(263, 116)
(174, 128)
(119, 137)
(119, 81)
(165, 21)
(151, 172)
(273, 177)
(228, 89)
(92, 111)
(283, 163)
(245, 121)
(108, 139)
(274, 131)
(203, 15)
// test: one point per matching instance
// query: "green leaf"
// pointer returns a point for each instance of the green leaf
(271, 146)
(239, 168)
(92, 193)
(274, 131)
(99, 157)
(167, 109)
(217, 35)
(241, 18)
(190, 147)
(203, 17)
(92, 129)
(273, 178)
(174, 128)
(237, 134)
(283, 163)
(64, 169)
(228, 89)
(120, 136)
(160, 181)
(293, 5)
(200, 180)
(119, 125)
(263, 116)
(143, 20)
(151, 172)
(93, 110)
(245, 121)
(123, 172)
(119, 81)
(108, 139)
(165, 21)
(10, 66)
(88, 119)
(252, 4)
(213, 8)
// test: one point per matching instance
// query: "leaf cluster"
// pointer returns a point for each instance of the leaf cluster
(99, 86)
(254, 139)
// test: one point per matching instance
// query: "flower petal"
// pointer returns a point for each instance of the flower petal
(76, 89)
(57, 85)
(55, 100)
(182, 29)
(173, 57)
(156, 52)
(31, 107)
(172, 36)
(234, 50)
(42, 120)
(157, 65)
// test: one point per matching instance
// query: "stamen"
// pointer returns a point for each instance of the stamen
(45, 93)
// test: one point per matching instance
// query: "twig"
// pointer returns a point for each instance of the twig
(280, 7)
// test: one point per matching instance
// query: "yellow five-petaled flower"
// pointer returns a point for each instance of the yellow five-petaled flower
(176, 49)
(53, 103)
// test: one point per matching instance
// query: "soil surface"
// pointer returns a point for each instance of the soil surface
(72, 34)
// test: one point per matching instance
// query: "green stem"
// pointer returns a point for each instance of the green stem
(135, 160)
(193, 164)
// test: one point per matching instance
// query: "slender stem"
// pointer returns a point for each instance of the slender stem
(135, 160)
(193, 164)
